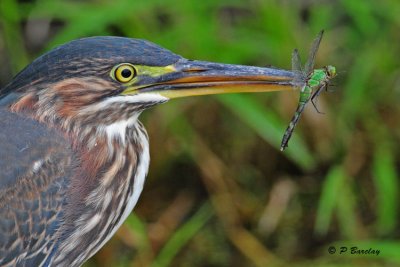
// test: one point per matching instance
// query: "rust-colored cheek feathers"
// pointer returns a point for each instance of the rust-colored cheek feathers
(65, 98)
(78, 93)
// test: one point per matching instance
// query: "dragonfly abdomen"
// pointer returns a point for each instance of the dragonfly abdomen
(292, 124)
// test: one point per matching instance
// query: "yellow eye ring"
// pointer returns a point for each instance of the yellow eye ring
(124, 73)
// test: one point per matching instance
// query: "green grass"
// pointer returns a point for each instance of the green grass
(224, 150)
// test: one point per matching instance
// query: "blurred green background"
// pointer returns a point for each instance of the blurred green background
(219, 191)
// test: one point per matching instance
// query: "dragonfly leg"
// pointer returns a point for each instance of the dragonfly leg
(330, 86)
(315, 96)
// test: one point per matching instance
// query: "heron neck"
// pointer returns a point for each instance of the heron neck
(106, 187)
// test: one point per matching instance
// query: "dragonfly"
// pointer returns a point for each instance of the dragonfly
(311, 83)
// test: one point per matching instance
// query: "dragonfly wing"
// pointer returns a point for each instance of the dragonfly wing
(299, 78)
(313, 52)
(296, 61)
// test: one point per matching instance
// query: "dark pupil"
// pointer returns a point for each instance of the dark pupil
(126, 73)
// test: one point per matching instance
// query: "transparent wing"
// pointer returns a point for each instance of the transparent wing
(313, 52)
(296, 61)
(300, 76)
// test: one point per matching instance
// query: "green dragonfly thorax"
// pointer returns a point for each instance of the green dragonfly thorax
(320, 76)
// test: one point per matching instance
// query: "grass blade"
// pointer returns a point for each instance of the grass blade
(386, 183)
(182, 236)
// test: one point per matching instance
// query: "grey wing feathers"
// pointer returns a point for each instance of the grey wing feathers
(34, 170)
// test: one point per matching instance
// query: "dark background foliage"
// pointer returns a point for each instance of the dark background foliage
(219, 191)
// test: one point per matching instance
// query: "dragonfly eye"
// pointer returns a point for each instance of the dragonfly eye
(331, 71)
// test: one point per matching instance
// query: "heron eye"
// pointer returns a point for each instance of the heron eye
(124, 73)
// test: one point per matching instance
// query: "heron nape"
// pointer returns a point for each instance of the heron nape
(73, 154)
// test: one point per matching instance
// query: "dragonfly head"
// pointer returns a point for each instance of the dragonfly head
(330, 71)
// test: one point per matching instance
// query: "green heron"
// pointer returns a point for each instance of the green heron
(74, 155)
